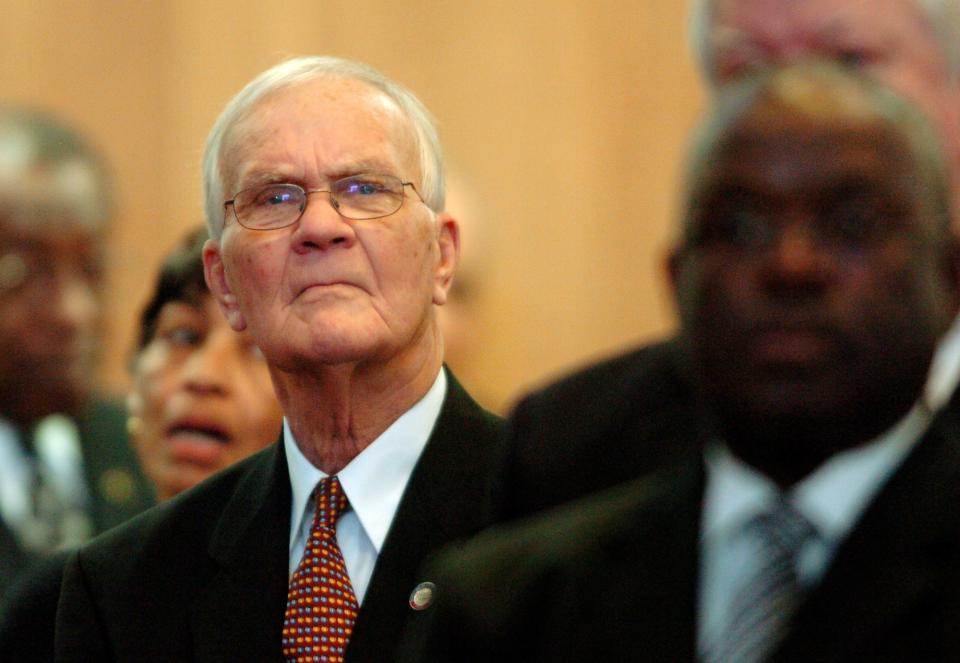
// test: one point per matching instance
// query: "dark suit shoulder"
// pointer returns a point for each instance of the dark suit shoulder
(510, 581)
(171, 540)
(553, 538)
(605, 424)
(535, 545)
(131, 593)
(641, 367)
(537, 589)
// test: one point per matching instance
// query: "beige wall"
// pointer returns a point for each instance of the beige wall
(568, 118)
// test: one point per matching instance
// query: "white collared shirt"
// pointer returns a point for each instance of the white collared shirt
(58, 466)
(374, 483)
(944, 369)
(832, 498)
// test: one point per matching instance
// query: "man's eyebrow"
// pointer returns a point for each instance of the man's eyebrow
(255, 177)
(373, 166)
(258, 177)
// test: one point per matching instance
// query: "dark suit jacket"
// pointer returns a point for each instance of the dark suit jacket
(609, 423)
(203, 577)
(614, 577)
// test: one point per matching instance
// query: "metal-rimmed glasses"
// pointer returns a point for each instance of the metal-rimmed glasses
(358, 197)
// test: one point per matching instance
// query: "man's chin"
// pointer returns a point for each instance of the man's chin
(327, 352)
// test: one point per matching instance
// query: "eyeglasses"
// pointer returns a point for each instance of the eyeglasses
(359, 197)
(36, 272)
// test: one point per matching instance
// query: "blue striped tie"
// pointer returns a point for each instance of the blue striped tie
(762, 610)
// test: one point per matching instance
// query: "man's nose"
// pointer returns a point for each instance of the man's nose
(321, 226)
(797, 263)
(208, 369)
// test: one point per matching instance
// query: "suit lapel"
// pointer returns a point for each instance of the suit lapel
(238, 616)
(894, 559)
(442, 503)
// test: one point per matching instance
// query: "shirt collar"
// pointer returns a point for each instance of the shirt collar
(374, 481)
(831, 498)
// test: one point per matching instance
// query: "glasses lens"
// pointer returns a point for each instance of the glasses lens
(368, 196)
(271, 206)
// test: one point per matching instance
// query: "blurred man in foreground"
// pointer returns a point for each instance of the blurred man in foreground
(910, 45)
(324, 186)
(812, 519)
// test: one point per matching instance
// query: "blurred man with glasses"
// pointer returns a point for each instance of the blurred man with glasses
(66, 471)
(324, 194)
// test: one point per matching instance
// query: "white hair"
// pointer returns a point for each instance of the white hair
(943, 16)
(301, 70)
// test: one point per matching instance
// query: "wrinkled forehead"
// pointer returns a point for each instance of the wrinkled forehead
(820, 15)
(782, 30)
(319, 107)
(65, 193)
(797, 152)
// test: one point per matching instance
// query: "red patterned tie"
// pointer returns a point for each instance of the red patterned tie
(321, 607)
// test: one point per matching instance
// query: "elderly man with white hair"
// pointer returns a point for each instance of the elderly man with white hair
(324, 195)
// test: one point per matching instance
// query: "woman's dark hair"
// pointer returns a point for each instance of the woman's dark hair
(180, 280)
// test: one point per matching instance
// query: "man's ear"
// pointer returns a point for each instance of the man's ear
(216, 278)
(448, 239)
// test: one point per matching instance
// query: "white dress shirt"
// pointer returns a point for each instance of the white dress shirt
(374, 483)
(832, 498)
(945, 368)
(60, 519)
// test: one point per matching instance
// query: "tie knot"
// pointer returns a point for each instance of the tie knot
(331, 501)
(782, 526)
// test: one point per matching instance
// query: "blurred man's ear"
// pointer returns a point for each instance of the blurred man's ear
(219, 285)
(448, 239)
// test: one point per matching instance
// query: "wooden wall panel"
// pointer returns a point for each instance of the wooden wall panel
(566, 118)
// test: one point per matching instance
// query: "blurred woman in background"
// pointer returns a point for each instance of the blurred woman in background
(201, 398)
